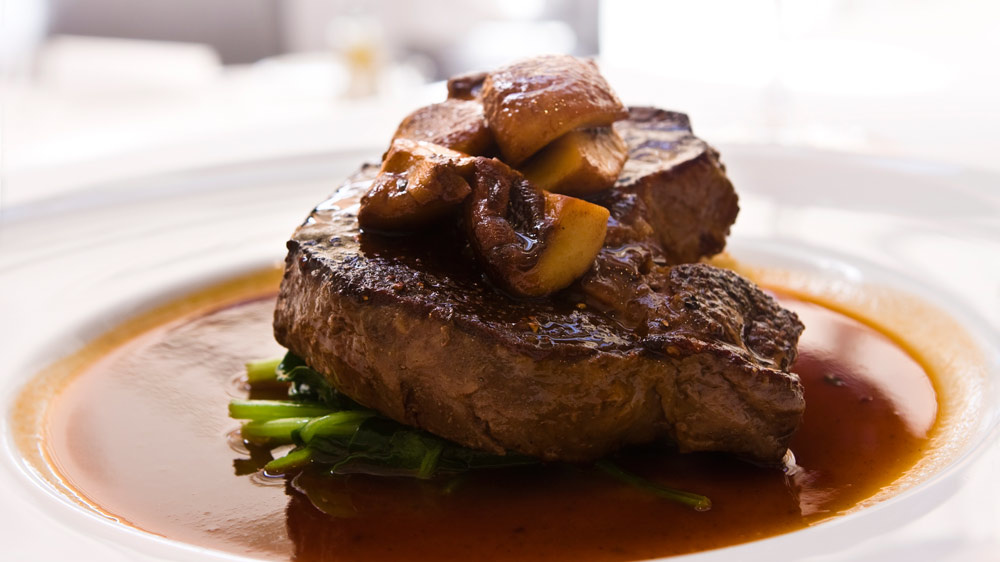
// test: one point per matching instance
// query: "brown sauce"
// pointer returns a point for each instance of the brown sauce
(142, 436)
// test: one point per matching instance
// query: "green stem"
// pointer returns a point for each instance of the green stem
(343, 424)
(275, 409)
(296, 458)
(429, 464)
(698, 502)
(272, 432)
(264, 371)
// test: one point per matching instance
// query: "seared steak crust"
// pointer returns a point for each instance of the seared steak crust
(410, 327)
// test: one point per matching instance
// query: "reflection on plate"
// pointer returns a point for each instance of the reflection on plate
(74, 273)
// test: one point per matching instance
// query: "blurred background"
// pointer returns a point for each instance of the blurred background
(101, 90)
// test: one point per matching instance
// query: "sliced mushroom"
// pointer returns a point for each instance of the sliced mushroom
(532, 102)
(455, 124)
(466, 86)
(578, 163)
(529, 242)
(418, 184)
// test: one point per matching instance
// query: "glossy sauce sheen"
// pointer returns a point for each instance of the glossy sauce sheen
(144, 435)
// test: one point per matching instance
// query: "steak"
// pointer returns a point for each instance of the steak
(643, 347)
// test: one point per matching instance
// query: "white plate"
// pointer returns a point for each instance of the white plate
(72, 268)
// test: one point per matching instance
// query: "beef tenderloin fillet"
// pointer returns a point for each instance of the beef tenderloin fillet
(408, 326)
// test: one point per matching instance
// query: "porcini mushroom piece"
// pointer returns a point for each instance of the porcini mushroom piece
(579, 163)
(532, 102)
(466, 86)
(419, 183)
(455, 124)
(530, 243)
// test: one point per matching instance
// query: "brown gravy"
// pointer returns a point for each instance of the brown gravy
(143, 437)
